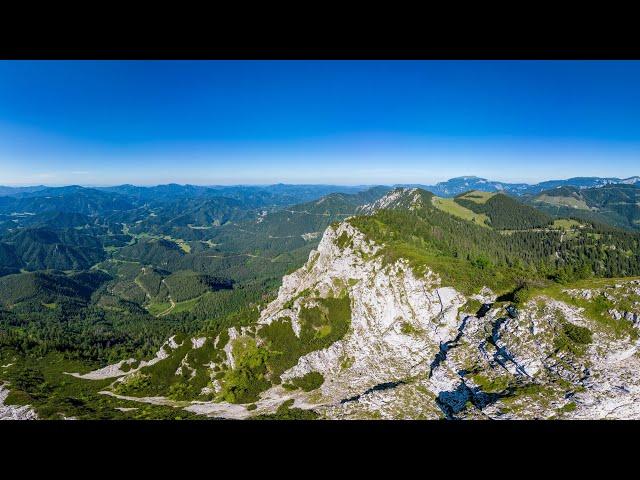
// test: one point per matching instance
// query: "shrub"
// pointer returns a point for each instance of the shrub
(308, 382)
(243, 383)
(285, 412)
(577, 334)
(319, 327)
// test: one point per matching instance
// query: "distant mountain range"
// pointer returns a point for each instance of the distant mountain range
(174, 209)
(260, 195)
(15, 190)
(285, 194)
(458, 185)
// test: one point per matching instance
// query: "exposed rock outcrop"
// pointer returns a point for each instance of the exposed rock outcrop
(13, 412)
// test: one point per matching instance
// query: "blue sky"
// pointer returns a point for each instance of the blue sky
(344, 122)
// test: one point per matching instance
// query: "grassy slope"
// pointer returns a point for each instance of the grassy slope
(566, 224)
(566, 201)
(477, 196)
(595, 308)
(449, 205)
(59, 395)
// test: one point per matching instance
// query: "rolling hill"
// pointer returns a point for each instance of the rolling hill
(616, 204)
(73, 199)
(42, 249)
(47, 288)
(503, 212)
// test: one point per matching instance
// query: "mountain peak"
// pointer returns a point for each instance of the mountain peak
(465, 177)
(410, 198)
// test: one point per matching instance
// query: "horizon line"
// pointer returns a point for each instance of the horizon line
(212, 185)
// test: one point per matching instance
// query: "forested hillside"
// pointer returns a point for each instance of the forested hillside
(431, 235)
(504, 212)
(114, 271)
(616, 205)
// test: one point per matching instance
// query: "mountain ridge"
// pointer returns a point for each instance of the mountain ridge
(450, 187)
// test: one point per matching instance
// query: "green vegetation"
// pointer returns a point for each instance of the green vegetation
(346, 362)
(476, 196)
(421, 249)
(569, 201)
(597, 308)
(185, 285)
(469, 256)
(181, 376)
(45, 288)
(158, 308)
(615, 205)
(344, 241)
(319, 327)
(571, 338)
(134, 385)
(139, 265)
(285, 412)
(492, 385)
(566, 224)
(472, 306)
(504, 212)
(43, 248)
(306, 383)
(528, 393)
(247, 379)
(96, 276)
(150, 280)
(409, 329)
(449, 205)
(577, 334)
(568, 408)
(42, 383)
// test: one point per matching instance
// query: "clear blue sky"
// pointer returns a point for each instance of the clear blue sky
(347, 122)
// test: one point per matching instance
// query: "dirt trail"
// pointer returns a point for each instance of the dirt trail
(137, 282)
(173, 303)
(168, 310)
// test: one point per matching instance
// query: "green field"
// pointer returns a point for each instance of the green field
(450, 206)
(564, 201)
(157, 308)
(188, 305)
(477, 196)
(566, 224)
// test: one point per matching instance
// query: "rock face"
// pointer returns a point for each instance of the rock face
(397, 322)
(412, 350)
(416, 348)
(410, 198)
(11, 412)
